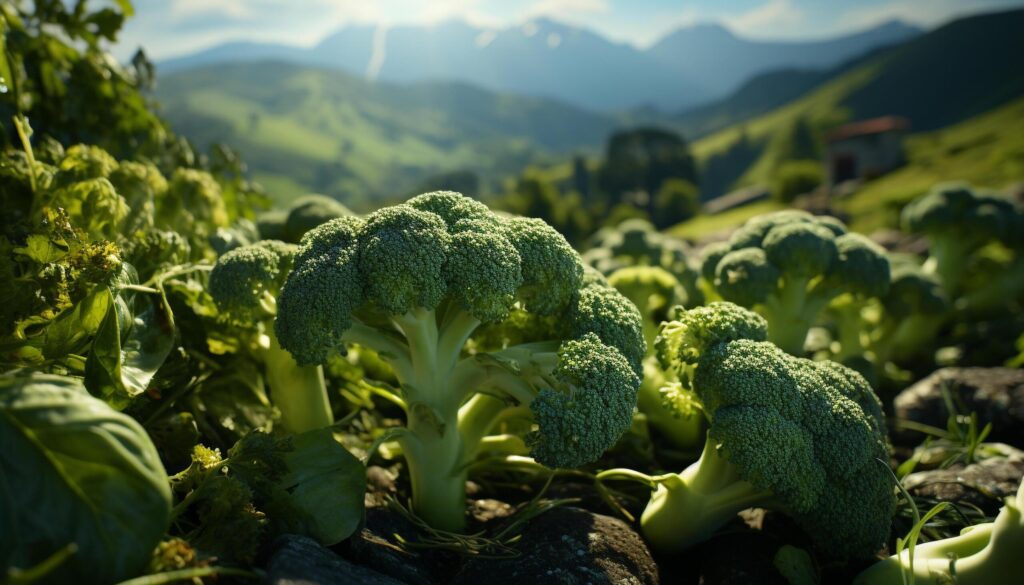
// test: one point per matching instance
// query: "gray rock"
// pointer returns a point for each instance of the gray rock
(984, 484)
(569, 546)
(376, 547)
(995, 394)
(299, 560)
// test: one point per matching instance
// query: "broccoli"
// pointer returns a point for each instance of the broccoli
(245, 284)
(958, 222)
(981, 554)
(789, 265)
(668, 408)
(415, 281)
(309, 211)
(785, 433)
(635, 242)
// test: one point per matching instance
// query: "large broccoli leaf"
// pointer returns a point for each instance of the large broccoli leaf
(74, 471)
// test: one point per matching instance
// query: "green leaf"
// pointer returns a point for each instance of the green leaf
(42, 249)
(129, 349)
(325, 485)
(73, 471)
(71, 330)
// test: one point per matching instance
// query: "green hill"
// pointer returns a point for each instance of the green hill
(957, 71)
(304, 129)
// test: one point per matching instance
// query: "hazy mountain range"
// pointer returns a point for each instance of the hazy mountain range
(545, 58)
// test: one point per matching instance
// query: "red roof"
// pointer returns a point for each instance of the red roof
(868, 127)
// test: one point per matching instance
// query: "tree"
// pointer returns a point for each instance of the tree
(641, 160)
(796, 177)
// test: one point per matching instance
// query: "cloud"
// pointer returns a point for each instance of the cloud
(770, 16)
(231, 9)
(570, 10)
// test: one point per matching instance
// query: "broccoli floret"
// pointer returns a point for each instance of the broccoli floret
(958, 222)
(785, 433)
(194, 206)
(481, 317)
(789, 265)
(981, 554)
(309, 211)
(655, 291)
(245, 284)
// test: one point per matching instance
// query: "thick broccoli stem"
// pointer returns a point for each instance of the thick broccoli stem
(1003, 288)
(687, 508)
(790, 314)
(948, 257)
(298, 391)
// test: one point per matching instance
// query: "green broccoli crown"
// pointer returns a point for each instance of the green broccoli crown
(752, 233)
(136, 180)
(194, 194)
(589, 407)
(309, 211)
(246, 280)
(801, 248)
(745, 276)
(651, 288)
(690, 333)
(437, 247)
(913, 291)
(862, 267)
(711, 255)
(772, 249)
(602, 310)
(956, 210)
(811, 433)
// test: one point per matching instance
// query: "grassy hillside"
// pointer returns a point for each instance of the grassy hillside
(986, 151)
(306, 129)
(940, 78)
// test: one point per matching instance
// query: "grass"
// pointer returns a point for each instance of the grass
(703, 226)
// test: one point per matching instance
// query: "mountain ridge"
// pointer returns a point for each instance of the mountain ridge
(580, 66)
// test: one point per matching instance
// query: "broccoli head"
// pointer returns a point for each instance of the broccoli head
(789, 265)
(958, 221)
(481, 317)
(802, 437)
(245, 284)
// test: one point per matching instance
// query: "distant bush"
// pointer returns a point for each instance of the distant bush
(796, 178)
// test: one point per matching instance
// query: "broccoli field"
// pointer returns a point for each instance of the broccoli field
(202, 382)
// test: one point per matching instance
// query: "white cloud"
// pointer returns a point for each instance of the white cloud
(234, 9)
(569, 10)
(768, 17)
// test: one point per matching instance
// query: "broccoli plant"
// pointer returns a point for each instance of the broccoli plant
(958, 223)
(981, 554)
(414, 282)
(245, 284)
(665, 404)
(803, 437)
(789, 265)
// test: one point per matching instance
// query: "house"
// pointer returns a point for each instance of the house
(865, 149)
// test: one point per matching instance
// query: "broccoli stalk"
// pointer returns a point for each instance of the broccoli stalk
(982, 554)
(245, 284)
(789, 265)
(481, 318)
(958, 223)
(790, 434)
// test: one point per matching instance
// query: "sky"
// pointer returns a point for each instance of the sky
(167, 28)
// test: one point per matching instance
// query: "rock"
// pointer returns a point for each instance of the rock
(984, 484)
(995, 394)
(569, 546)
(299, 560)
(376, 547)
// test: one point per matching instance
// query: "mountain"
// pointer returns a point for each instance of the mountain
(549, 59)
(719, 61)
(959, 70)
(303, 129)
